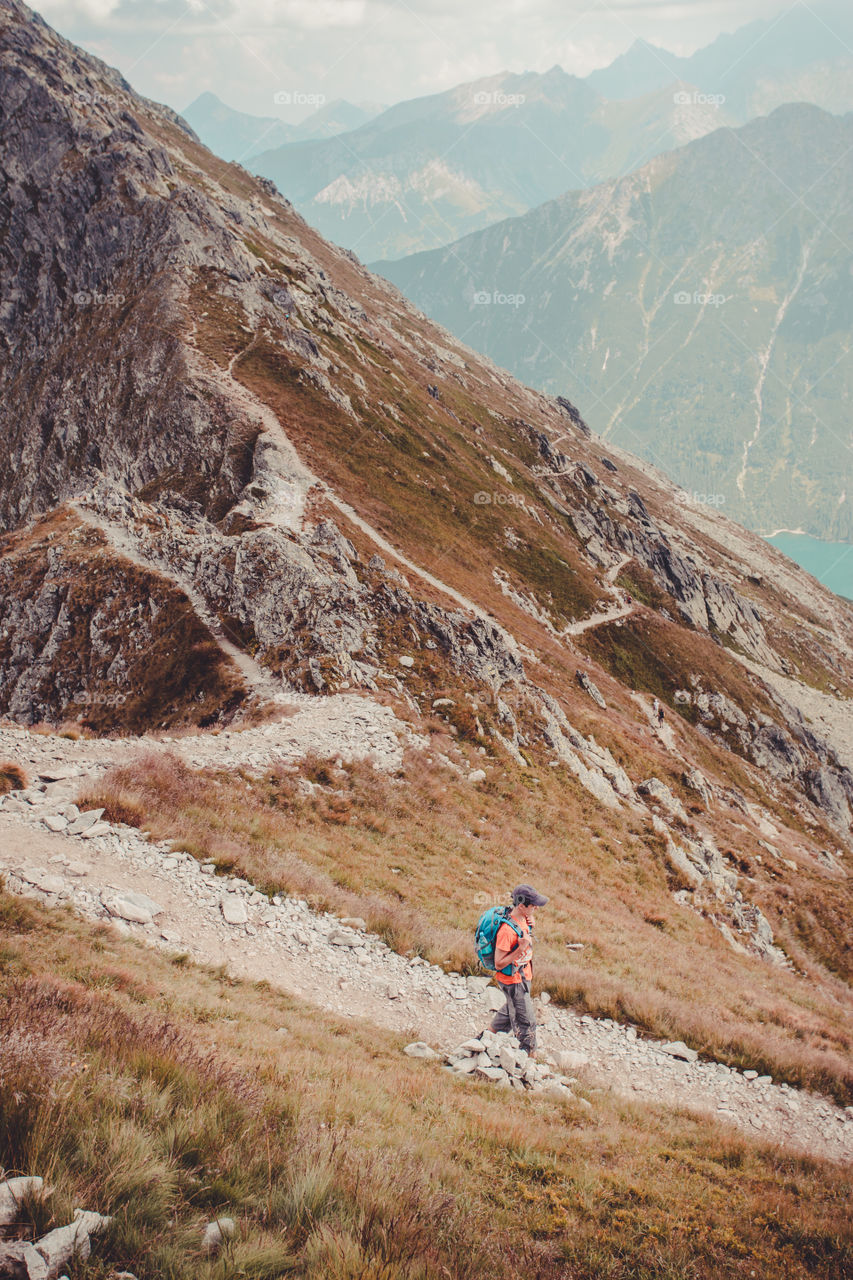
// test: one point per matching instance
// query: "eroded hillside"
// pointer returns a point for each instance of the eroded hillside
(242, 425)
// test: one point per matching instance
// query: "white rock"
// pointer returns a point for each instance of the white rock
(678, 1049)
(571, 1060)
(48, 883)
(492, 1073)
(85, 821)
(233, 909)
(507, 1059)
(495, 999)
(97, 829)
(216, 1233)
(54, 822)
(418, 1049)
(477, 775)
(12, 1192)
(406, 661)
(119, 906)
(466, 1066)
(22, 1258)
(353, 922)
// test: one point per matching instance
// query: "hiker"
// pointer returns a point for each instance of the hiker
(657, 709)
(514, 967)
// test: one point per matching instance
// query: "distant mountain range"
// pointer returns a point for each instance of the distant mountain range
(704, 304)
(426, 171)
(236, 135)
(804, 54)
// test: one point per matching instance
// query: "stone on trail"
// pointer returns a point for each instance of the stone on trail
(508, 1059)
(233, 909)
(466, 1066)
(353, 922)
(418, 1049)
(54, 822)
(477, 984)
(474, 1045)
(42, 880)
(492, 1073)
(126, 904)
(85, 821)
(495, 999)
(142, 901)
(678, 1049)
(571, 1059)
(339, 939)
(97, 829)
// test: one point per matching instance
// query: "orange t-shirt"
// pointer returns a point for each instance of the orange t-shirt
(507, 940)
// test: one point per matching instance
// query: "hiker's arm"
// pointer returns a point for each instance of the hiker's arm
(503, 958)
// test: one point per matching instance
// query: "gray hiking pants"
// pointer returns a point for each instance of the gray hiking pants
(519, 1015)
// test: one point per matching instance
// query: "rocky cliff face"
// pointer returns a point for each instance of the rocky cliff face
(254, 437)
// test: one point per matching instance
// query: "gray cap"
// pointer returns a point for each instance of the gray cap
(525, 893)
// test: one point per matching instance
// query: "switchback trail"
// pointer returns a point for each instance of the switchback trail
(220, 920)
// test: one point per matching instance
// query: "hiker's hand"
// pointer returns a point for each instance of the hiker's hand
(522, 956)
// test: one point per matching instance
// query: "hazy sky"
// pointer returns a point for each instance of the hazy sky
(247, 51)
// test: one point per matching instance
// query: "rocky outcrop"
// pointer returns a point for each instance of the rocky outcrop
(88, 635)
(611, 525)
(791, 753)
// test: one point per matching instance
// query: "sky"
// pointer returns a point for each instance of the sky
(287, 57)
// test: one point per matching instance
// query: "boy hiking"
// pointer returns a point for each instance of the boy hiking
(514, 967)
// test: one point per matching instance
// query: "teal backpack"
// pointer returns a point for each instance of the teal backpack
(486, 933)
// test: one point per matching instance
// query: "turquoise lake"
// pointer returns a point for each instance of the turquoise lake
(830, 562)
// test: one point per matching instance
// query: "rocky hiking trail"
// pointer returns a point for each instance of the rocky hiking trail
(166, 899)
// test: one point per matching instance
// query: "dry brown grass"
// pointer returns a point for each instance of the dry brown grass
(175, 1095)
(12, 777)
(417, 857)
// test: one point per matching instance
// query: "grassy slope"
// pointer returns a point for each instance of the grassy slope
(165, 1095)
(645, 958)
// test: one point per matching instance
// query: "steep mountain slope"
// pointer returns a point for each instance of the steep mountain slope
(802, 54)
(236, 135)
(204, 401)
(429, 170)
(703, 303)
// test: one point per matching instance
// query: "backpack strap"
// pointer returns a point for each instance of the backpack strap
(519, 933)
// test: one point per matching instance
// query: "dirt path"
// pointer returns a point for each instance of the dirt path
(224, 921)
(623, 608)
